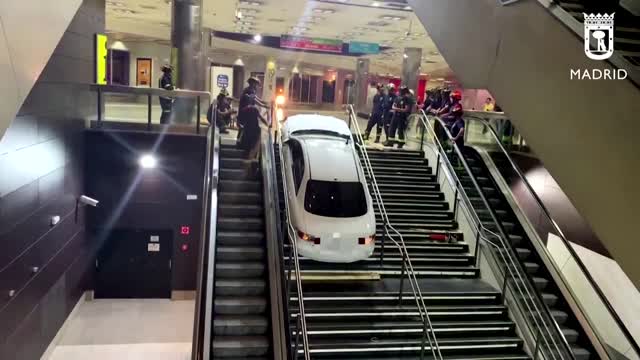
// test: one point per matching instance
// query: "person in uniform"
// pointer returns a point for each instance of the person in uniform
(387, 116)
(249, 118)
(223, 112)
(377, 112)
(166, 103)
(402, 109)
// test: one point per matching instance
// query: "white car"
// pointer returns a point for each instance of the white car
(329, 202)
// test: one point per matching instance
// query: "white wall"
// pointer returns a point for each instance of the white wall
(616, 286)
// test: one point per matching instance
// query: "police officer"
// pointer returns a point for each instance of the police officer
(224, 112)
(388, 109)
(402, 109)
(249, 118)
(166, 103)
(377, 113)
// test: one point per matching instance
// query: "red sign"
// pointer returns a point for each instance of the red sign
(305, 43)
(185, 230)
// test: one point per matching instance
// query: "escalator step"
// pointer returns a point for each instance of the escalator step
(235, 287)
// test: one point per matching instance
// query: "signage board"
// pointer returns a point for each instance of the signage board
(307, 43)
(356, 47)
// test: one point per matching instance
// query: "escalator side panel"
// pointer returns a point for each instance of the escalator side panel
(531, 260)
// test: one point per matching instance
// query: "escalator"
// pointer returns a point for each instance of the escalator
(523, 53)
(566, 304)
(350, 315)
(530, 260)
(238, 302)
(241, 311)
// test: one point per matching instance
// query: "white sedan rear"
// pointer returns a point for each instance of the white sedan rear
(329, 204)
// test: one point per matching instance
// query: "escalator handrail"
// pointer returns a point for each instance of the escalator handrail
(278, 293)
(296, 262)
(503, 236)
(402, 248)
(205, 292)
(561, 235)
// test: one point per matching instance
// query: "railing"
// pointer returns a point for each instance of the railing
(300, 333)
(549, 340)
(203, 319)
(617, 334)
(137, 104)
(389, 232)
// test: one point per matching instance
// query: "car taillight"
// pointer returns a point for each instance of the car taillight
(367, 240)
(310, 238)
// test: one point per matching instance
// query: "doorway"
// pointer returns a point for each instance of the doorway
(144, 70)
(135, 264)
(348, 91)
(118, 67)
(328, 91)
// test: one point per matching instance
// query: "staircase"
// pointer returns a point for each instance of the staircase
(366, 319)
(531, 262)
(241, 319)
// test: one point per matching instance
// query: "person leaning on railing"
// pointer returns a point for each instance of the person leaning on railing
(249, 118)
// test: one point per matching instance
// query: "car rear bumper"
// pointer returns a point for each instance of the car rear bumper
(320, 253)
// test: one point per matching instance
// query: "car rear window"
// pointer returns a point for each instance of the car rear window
(335, 199)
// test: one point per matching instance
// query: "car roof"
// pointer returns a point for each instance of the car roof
(330, 159)
(316, 122)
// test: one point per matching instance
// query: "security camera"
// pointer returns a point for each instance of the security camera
(88, 201)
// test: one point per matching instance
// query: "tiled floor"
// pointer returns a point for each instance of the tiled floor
(127, 329)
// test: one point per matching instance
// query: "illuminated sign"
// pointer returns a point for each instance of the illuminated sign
(185, 230)
(101, 59)
(315, 44)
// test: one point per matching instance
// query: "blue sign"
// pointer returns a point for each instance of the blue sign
(356, 47)
(223, 81)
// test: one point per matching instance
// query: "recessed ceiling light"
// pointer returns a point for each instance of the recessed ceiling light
(324, 11)
(407, 7)
(250, 3)
(375, 3)
(248, 17)
(124, 11)
(391, 17)
(244, 23)
(249, 11)
(257, 38)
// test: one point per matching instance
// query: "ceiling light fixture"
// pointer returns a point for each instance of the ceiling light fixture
(250, 3)
(405, 56)
(238, 62)
(324, 11)
(407, 7)
(376, 4)
(257, 38)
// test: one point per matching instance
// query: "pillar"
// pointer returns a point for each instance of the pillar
(186, 55)
(269, 86)
(361, 85)
(412, 59)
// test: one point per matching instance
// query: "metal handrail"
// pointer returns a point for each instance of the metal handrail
(149, 93)
(515, 265)
(301, 321)
(428, 330)
(203, 318)
(563, 238)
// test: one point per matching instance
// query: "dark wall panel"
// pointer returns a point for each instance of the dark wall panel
(149, 199)
(575, 228)
(42, 174)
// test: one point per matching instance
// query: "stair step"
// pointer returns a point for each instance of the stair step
(240, 224)
(226, 210)
(237, 163)
(243, 325)
(240, 186)
(239, 305)
(237, 238)
(246, 287)
(240, 347)
(233, 198)
(239, 269)
(238, 174)
(229, 253)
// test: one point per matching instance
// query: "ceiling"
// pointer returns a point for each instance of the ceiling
(390, 23)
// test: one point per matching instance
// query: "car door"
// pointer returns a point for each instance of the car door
(295, 168)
